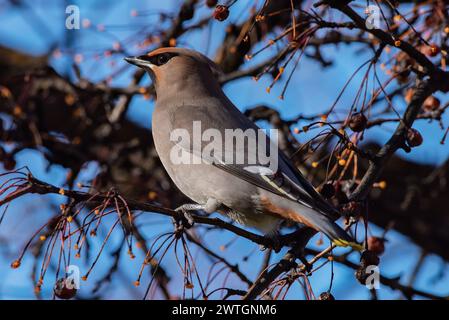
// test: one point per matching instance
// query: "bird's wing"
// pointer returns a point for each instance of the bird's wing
(285, 181)
(318, 200)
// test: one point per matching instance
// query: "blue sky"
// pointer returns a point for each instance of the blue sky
(311, 90)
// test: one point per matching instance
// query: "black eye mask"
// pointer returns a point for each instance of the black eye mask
(159, 59)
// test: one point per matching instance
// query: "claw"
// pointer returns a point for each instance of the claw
(185, 209)
(307, 265)
(188, 216)
(274, 240)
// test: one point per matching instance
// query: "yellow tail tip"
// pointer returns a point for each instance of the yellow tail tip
(344, 243)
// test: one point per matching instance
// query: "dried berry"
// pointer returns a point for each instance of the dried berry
(326, 296)
(328, 190)
(376, 245)
(15, 264)
(64, 290)
(361, 275)
(369, 258)
(431, 103)
(211, 3)
(414, 138)
(432, 51)
(358, 122)
(221, 12)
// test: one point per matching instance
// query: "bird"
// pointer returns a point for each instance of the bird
(257, 195)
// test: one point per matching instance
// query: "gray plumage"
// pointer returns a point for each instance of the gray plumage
(187, 90)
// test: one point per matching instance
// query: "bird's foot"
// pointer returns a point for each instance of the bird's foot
(307, 265)
(274, 241)
(185, 210)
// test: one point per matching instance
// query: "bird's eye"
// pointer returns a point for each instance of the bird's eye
(162, 59)
(159, 59)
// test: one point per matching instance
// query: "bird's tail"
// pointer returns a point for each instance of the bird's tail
(324, 224)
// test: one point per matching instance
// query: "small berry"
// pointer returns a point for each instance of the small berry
(171, 43)
(382, 184)
(361, 275)
(86, 23)
(326, 296)
(414, 138)
(376, 245)
(69, 99)
(433, 50)
(152, 195)
(17, 111)
(62, 291)
(431, 103)
(221, 12)
(358, 122)
(15, 264)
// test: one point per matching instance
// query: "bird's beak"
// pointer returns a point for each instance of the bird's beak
(138, 62)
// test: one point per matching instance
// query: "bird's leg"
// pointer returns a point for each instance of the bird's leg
(274, 238)
(186, 208)
(304, 261)
(211, 205)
